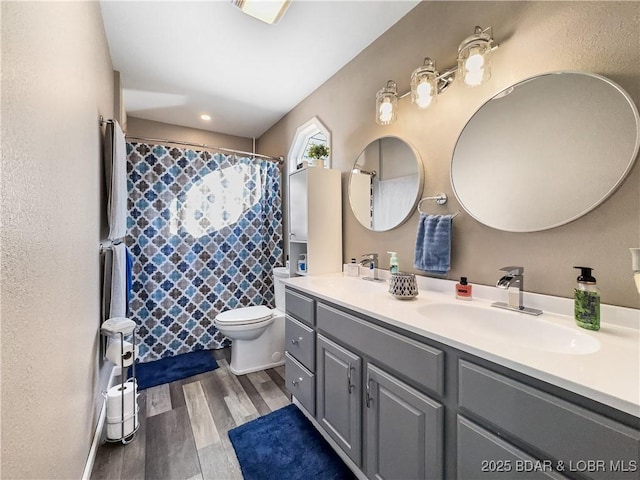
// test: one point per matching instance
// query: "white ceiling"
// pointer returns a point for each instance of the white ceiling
(178, 60)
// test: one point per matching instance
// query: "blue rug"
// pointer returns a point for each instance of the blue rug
(170, 369)
(285, 445)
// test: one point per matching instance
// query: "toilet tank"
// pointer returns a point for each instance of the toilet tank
(278, 287)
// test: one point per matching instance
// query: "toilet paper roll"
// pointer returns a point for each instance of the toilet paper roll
(117, 396)
(115, 430)
(121, 353)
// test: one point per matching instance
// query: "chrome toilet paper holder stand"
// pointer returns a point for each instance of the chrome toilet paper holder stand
(107, 333)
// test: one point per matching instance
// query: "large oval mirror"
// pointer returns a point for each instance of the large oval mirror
(545, 151)
(385, 183)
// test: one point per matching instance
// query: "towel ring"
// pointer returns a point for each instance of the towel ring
(440, 199)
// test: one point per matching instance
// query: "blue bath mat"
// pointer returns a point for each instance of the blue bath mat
(284, 444)
(170, 369)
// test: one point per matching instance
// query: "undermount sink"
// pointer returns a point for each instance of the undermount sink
(515, 328)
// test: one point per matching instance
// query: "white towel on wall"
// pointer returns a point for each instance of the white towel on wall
(118, 302)
(116, 172)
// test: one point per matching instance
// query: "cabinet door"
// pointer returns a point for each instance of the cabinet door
(404, 430)
(338, 401)
(483, 455)
(298, 207)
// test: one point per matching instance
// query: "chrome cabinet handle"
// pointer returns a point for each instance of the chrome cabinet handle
(350, 386)
(369, 398)
(296, 342)
(295, 383)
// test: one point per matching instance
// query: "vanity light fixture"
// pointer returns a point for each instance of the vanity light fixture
(269, 11)
(473, 68)
(424, 84)
(474, 55)
(387, 103)
(205, 117)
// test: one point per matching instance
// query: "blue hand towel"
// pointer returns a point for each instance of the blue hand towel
(118, 303)
(129, 260)
(433, 244)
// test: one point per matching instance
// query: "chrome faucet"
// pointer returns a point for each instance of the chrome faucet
(371, 259)
(513, 282)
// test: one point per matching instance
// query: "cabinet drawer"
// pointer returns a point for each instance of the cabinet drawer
(481, 454)
(300, 342)
(554, 426)
(419, 362)
(301, 383)
(300, 307)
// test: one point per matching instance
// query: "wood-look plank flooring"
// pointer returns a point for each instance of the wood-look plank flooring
(184, 425)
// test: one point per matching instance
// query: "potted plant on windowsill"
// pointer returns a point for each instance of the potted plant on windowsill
(318, 153)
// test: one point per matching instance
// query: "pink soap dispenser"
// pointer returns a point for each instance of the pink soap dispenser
(463, 289)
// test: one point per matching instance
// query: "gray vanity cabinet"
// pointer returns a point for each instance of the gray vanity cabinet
(404, 429)
(402, 406)
(339, 405)
(402, 425)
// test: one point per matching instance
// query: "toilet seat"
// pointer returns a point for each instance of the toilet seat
(244, 316)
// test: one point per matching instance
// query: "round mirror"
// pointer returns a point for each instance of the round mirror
(385, 183)
(545, 151)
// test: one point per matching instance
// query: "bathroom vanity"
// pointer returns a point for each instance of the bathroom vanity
(400, 390)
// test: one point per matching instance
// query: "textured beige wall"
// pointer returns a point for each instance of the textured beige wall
(57, 79)
(534, 37)
(152, 129)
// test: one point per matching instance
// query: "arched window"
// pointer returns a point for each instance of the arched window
(310, 133)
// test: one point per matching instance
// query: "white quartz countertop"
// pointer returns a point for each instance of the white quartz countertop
(609, 375)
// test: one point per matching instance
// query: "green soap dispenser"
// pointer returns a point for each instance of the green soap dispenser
(586, 298)
(394, 267)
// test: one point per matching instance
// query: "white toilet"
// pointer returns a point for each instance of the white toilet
(257, 333)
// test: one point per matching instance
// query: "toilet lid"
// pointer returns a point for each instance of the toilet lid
(239, 316)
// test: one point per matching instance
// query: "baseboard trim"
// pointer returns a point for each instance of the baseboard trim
(97, 436)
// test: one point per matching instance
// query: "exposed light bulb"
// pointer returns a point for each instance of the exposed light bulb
(473, 78)
(204, 116)
(474, 69)
(386, 110)
(474, 62)
(424, 94)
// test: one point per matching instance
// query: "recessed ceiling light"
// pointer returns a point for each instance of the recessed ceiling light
(269, 11)
(204, 116)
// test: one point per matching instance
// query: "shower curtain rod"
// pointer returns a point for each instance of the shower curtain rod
(279, 160)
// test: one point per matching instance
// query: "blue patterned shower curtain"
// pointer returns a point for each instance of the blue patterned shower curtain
(205, 231)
